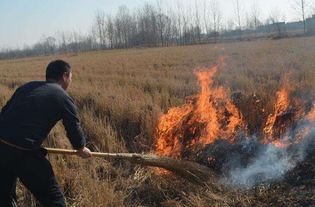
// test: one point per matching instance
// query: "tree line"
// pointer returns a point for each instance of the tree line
(154, 25)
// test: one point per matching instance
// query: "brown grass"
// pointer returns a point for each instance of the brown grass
(120, 95)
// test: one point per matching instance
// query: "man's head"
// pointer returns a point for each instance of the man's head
(59, 71)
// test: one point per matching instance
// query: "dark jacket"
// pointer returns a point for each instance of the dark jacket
(33, 111)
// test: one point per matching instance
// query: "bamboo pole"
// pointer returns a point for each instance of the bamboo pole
(189, 170)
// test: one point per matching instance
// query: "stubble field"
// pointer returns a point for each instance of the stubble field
(122, 93)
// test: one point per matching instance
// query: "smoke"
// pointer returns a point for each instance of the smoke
(271, 163)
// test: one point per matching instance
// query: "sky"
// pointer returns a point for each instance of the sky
(24, 22)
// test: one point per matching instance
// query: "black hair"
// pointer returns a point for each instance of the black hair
(56, 69)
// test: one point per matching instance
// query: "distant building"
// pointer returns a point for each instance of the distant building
(277, 27)
(295, 26)
(310, 24)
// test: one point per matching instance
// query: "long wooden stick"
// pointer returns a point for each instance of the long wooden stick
(186, 169)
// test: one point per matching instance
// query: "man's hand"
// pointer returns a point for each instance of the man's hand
(84, 152)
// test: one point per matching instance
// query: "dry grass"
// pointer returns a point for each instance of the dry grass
(120, 95)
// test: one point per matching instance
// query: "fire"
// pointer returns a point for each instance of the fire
(200, 122)
(205, 108)
(278, 129)
(310, 117)
(280, 144)
(274, 126)
(171, 136)
(188, 130)
(211, 130)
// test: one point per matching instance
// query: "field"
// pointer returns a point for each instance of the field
(122, 93)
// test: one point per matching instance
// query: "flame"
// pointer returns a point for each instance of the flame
(309, 120)
(310, 117)
(278, 128)
(199, 123)
(280, 144)
(186, 130)
(273, 123)
(205, 108)
(275, 126)
(169, 142)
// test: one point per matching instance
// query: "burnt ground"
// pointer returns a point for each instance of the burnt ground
(296, 189)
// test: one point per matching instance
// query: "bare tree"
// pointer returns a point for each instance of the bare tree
(186, 33)
(276, 24)
(206, 17)
(161, 20)
(215, 13)
(300, 7)
(123, 25)
(238, 17)
(100, 27)
(172, 29)
(75, 41)
(179, 22)
(255, 14)
(197, 21)
(110, 32)
(147, 26)
(230, 24)
(62, 41)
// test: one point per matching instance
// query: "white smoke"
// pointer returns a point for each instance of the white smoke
(271, 163)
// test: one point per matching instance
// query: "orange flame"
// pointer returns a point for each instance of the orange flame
(310, 117)
(274, 127)
(179, 129)
(213, 115)
(205, 108)
(170, 136)
(306, 130)
(277, 129)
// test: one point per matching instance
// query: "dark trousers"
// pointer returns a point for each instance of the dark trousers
(34, 171)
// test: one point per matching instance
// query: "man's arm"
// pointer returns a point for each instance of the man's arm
(73, 127)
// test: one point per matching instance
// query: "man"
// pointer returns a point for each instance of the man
(25, 122)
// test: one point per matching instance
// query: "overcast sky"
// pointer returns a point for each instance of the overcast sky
(26, 21)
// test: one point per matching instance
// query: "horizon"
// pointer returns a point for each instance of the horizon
(25, 23)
